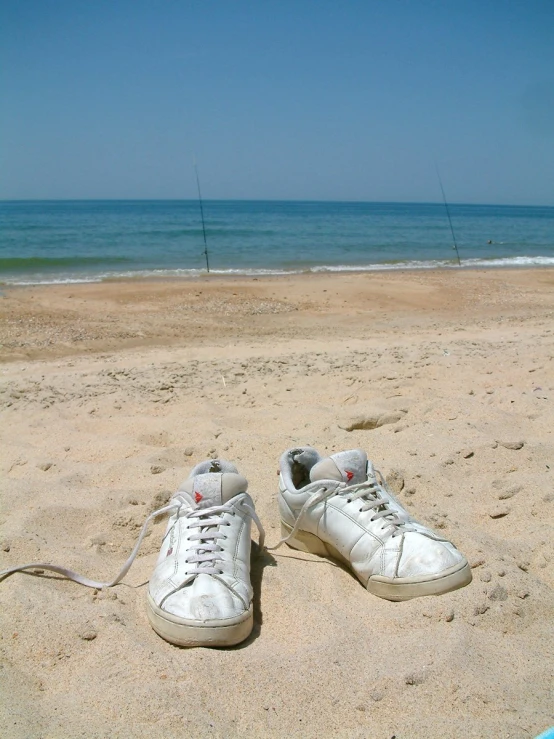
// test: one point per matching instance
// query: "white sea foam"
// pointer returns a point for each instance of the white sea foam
(37, 280)
(522, 261)
(63, 279)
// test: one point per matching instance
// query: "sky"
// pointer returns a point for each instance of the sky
(357, 100)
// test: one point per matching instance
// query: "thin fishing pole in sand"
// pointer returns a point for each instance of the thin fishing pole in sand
(449, 219)
(202, 216)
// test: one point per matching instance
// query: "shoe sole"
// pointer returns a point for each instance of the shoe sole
(401, 588)
(188, 633)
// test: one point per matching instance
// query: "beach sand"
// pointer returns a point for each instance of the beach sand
(110, 394)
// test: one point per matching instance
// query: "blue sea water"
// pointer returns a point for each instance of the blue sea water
(88, 241)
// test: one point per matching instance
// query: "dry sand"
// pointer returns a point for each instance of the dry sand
(112, 392)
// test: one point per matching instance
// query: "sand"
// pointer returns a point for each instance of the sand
(111, 392)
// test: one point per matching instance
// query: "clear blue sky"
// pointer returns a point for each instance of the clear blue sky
(278, 99)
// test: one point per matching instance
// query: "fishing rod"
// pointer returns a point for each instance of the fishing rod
(202, 216)
(449, 219)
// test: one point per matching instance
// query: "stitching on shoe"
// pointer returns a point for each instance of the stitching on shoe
(320, 519)
(237, 546)
(353, 545)
(358, 524)
(383, 555)
(177, 545)
(400, 551)
(230, 587)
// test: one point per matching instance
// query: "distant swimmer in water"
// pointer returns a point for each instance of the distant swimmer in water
(490, 241)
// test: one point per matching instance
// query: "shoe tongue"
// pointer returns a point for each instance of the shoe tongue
(350, 467)
(213, 488)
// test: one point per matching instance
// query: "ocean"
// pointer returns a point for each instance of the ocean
(90, 241)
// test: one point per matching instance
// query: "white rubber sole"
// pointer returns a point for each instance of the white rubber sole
(188, 633)
(397, 589)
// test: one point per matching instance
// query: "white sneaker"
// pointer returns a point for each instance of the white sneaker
(200, 592)
(337, 507)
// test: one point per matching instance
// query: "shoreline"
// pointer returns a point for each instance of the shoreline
(269, 273)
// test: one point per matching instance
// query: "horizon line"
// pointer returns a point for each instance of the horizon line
(266, 200)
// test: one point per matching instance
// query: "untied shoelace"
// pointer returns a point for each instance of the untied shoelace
(208, 519)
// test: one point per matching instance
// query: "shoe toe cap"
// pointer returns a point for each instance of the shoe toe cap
(422, 556)
(204, 599)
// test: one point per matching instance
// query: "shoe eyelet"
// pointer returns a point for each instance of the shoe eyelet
(349, 500)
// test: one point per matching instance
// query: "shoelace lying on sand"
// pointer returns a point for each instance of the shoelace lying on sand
(205, 556)
(367, 492)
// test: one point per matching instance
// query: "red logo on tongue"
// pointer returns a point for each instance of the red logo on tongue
(349, 475)
(197, 497)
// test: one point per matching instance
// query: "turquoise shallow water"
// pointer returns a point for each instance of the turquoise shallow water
(87, 241)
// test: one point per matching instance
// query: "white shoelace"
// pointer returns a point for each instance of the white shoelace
(369, 495)
(206, 553)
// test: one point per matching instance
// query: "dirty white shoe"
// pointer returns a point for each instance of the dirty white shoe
(339, 507)
(200, 592)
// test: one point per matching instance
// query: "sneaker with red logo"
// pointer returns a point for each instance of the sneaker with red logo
(340, 507)
(200, 592)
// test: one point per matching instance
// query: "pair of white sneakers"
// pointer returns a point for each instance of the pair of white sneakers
(339, 507)
(200, 592)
